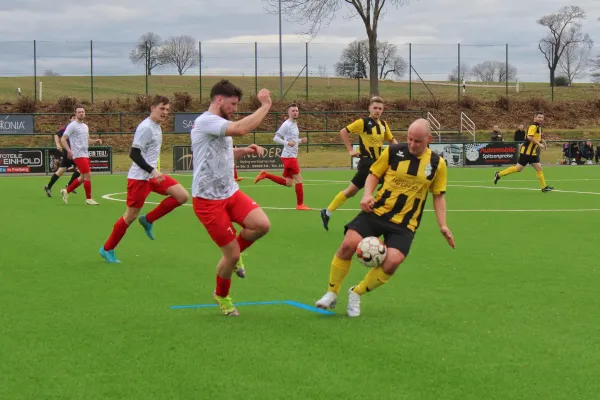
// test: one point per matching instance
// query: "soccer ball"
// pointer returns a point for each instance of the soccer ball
(371, 251)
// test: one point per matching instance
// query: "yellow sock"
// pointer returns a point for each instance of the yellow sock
(337, 273)
(374, 278)
(508, 171)
(338, 200)
(540, 176)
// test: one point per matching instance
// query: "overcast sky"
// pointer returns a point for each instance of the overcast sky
(229, 28)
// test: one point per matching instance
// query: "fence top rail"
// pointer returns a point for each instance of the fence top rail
(200, 112)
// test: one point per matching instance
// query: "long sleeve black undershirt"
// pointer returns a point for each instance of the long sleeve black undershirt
(136, 155)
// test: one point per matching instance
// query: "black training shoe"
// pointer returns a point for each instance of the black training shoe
(548, 189)
(47, 190)
(496, 178)
(325, 219)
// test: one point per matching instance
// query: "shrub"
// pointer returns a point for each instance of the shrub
(434, 103)
(561, 81)
(182, 101)
(468, 102)
(503, 102)
(332, 105)
(67, 104)
(539, 104)
(26, 105)
(141, 103)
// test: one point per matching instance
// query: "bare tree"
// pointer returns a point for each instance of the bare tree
(180, 51)
(576, 59)
(493, 71)
(595, 69)
(564, 30)
(147, 52)
(321, 12)
(465, 73)
(355, 59)
(50, 72)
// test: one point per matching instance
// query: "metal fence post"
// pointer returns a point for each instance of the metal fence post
(458, 76)
(306, 81)
(147, 66)
(256, 68)
(92, 70)
(34, 72)
(200, 70)
(506, 69)
(410, 71)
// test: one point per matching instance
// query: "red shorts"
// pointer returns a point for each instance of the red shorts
(83, 165)
(290, 167)
(217, 215)
(138, 190)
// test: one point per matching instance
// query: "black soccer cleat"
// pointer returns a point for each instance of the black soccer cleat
(548, 189)
(47, 190)
(496, 178)
(325, 219)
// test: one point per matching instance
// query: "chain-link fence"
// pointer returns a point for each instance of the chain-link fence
(91, 70)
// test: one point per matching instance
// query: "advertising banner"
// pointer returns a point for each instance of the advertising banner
(183, 122)
(492, 153)
(22, 161)
(183, 159)
(451, 152)
(11, 124)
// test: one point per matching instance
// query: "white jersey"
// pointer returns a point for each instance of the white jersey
(212, 153)
(147, 138)
(78, 134)
(288, 131)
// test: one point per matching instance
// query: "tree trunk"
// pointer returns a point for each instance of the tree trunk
(373, 75)
(552, 71)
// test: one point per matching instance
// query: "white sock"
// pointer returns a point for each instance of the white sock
(328, 212)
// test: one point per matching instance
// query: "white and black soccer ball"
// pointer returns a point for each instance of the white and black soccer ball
(371, 251)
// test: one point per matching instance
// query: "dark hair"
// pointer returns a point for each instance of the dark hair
(78, 106)
(225, 88)
(72, 116)
(159, 99)
(292, 105)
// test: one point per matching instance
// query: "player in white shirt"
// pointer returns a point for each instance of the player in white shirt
(144, 178)
(75, 141)
(288, 135)
(217, 199)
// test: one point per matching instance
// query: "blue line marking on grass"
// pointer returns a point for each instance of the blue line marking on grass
(308, 308)
(261, 303)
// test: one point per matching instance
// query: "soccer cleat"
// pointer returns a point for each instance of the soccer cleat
(239, 268)
(328, 301)
(353, 303)
(147, 226)
(302, 207)
(325, 219)
(496, 178)
(65, 196)
(239, 179)
(226, 305)
(91, 202)
(548, 189)
(109, 255)
(262, 175)
(47, 190)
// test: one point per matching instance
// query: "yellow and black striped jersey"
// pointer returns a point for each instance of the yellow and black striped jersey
(407, 178)
(371, 134)
(529, 148)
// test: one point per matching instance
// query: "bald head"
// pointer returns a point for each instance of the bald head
(419, 136)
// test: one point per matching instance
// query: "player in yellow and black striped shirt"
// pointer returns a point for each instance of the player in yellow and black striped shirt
(530, 154)
(409, 172)
(372, 132)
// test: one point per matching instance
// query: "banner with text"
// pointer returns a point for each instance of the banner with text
(183, 122)
(492, 153)
(16, 123)
(22, 161)
(100, 159)
(183, 159)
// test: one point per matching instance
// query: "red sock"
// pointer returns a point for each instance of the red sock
(299, 194)
(223, 286)
(277, 179)
(117, 234)
(87, 185)
(74, 185)
(244, 244)
(165, 207)
(235, 175)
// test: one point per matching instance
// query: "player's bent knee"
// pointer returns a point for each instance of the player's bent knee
(393, 259)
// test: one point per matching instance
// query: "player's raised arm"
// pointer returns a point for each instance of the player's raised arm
(252, 121)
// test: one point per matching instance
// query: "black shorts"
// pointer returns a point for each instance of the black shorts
(395, 236)
(65, 162)
(362, 172)
(525, 159)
